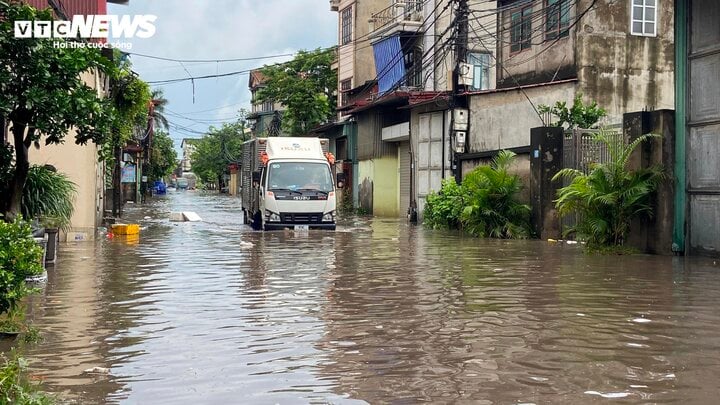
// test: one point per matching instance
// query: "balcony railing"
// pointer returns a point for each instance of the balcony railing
(399, 12)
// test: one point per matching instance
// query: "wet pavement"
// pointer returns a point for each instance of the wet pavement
(377, 312)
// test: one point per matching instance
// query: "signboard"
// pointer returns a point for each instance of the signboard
(128, 173)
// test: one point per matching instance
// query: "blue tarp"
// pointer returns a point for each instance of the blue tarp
(160, 187)
(389, 63)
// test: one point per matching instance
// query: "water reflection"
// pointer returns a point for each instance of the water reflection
(377, 312)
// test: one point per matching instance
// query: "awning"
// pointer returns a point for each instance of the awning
(389, 63)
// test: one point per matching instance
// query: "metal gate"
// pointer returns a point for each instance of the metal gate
(703, 128)
(405, 178)
(580, 152)
(432, 146)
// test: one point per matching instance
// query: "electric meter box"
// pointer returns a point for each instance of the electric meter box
(460, 119)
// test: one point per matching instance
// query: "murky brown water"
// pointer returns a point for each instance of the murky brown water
(377, 312)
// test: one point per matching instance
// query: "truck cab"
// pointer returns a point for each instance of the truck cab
(293, 185)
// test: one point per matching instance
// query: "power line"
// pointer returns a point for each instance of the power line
(210, 60)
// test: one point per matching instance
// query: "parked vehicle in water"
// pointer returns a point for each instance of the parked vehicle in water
(182, 183)
(287, 182)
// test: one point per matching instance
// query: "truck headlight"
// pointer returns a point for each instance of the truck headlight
(329, 217)
(272, 216)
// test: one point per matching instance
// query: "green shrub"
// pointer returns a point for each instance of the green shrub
(20, 257)
(484, 205)
(442, 210)
(48, 195)
(491, 205)
(15, 388)
(610, 196)
(577, 116)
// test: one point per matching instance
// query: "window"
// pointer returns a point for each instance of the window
(345, 86)
(346, 26)
(557, 18)
(413, 67)
(520, 28)
(481, 70)
(644, 18)
(267, 106)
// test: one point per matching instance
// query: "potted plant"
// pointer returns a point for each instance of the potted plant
(49, 197)
(20, 258)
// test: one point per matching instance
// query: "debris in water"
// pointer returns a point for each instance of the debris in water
(609, 394)
(97, 370)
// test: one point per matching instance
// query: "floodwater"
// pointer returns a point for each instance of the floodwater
(377, 312)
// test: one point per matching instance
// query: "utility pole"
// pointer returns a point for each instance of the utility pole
(459, 117)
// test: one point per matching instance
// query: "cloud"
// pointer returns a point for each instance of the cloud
(221, 29)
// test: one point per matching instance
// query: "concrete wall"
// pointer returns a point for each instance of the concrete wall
(80, 164)
(379, 188)
(545, 61)
(624, 72)
(503, 119)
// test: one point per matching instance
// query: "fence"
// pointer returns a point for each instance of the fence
(581, 151)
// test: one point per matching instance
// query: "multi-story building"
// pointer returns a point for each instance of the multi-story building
(518, 54)
(188, 146)
(266, 116)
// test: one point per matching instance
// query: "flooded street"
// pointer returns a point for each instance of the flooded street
(377, 312)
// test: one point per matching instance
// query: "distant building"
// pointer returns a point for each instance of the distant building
(265, 117)
(188, 146)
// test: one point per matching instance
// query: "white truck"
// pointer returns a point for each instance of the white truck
(287, 182)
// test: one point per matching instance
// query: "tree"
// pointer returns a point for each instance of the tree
(43, 94)
(129, 98)
(305, 87)
(218, 148)
(157, 111)
(163, 157)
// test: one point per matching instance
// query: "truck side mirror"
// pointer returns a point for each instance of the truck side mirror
(256, 177)
(340, 180)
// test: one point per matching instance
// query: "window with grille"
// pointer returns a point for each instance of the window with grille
(345, 86)
(346, 26)
(557, 18)
(520, 28)
(644, 18)
(413, 67)
(481, 70)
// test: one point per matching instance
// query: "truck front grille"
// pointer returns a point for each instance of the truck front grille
(301, 217)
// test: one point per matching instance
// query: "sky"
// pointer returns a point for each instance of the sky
(220, 29)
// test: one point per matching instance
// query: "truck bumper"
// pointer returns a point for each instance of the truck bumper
(273, 226)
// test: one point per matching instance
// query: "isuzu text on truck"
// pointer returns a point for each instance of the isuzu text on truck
(287, 182)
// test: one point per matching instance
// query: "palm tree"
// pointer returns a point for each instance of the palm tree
(610, 195)
(158, 111)
(492, 208)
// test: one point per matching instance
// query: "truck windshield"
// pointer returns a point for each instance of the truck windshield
(299, 176)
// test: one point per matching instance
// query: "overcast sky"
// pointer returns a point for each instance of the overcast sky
(221, 29)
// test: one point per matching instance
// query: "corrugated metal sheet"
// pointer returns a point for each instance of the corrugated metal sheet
(389, 63)
(74, 7)
(404, 159)
(703, 153)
